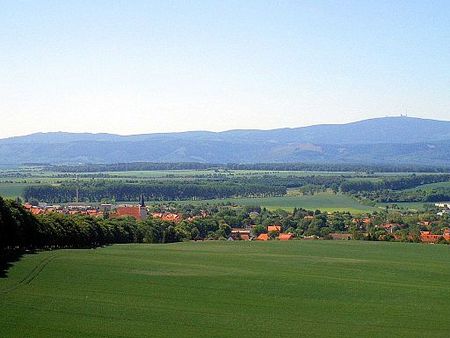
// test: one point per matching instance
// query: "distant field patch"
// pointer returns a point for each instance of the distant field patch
(12, 190)
(324, 201)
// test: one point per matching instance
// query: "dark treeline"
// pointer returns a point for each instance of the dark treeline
(398, 189)
(418, 195)
(391, 183)
(331, 167)
(168, 190)
(20, 230)
(382, 189)
(210, 188)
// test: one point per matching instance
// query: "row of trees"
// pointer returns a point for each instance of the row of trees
(21, 230)
(418, 195)
(96, 191)
(391, 183)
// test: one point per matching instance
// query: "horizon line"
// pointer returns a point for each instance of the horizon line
(217, 132)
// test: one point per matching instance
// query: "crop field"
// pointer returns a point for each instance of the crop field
(12, 189)
(325, 201)
(432, 186)
(230, 289)
(411, 206)
(14, 182)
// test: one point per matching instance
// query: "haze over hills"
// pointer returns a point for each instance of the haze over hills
(389, 140)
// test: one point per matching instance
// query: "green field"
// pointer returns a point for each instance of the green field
(12, 190)
(431, 186)
(325, 201)
(231, 289)
(411, 206)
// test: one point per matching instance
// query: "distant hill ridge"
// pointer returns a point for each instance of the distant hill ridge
(396, 140)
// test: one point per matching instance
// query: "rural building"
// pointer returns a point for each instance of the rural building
(136, 211)
(263, 237)
(167, 216)
(139, 212)
(425, 223)
(390, 227)
(274, 228)
(365, 221)
(240, 233)
(445, 205)
(428, 237)
(105, 207)
(285, 237)
(338, 236)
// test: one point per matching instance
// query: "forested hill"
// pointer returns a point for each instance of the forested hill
(390, 140)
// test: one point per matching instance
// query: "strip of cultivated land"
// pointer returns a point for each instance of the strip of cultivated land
(230, 289)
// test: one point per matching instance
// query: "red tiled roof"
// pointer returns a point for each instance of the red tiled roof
(428, 237)
(133, 211)
(276, 228)
(36, 211)
(263, 237)
(285, 237)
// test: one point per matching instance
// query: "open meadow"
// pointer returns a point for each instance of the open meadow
(230, 289)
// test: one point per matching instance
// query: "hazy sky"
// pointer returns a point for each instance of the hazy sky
(154, 66)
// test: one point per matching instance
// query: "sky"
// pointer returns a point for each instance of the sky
(131, 67)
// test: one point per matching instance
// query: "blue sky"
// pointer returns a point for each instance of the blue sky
(141, 66)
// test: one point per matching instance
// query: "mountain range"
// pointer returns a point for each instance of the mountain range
(388, 140)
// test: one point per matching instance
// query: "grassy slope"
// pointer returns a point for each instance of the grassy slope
(206, 289)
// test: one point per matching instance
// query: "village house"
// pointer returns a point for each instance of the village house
(263, 237)
(167, 216)
(240, 233)
(285, 237)
(425, 224)
(136, 211)
(443, 205)
(391, 227)
(274, 228)
(341, 236)
(365, 221)
(428, 237)
(139, 212)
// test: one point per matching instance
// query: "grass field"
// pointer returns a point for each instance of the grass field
(12, 190)
(231, 289)
(412, 206)
(324, 201)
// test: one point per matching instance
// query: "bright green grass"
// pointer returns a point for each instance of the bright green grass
(231, 289)
(431, 186)
(324, 201)
(412, 206)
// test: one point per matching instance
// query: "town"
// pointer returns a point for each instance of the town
(249, 224)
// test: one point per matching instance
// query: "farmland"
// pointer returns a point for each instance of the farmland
(356, 192)
(325, 201)
(298, 288)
